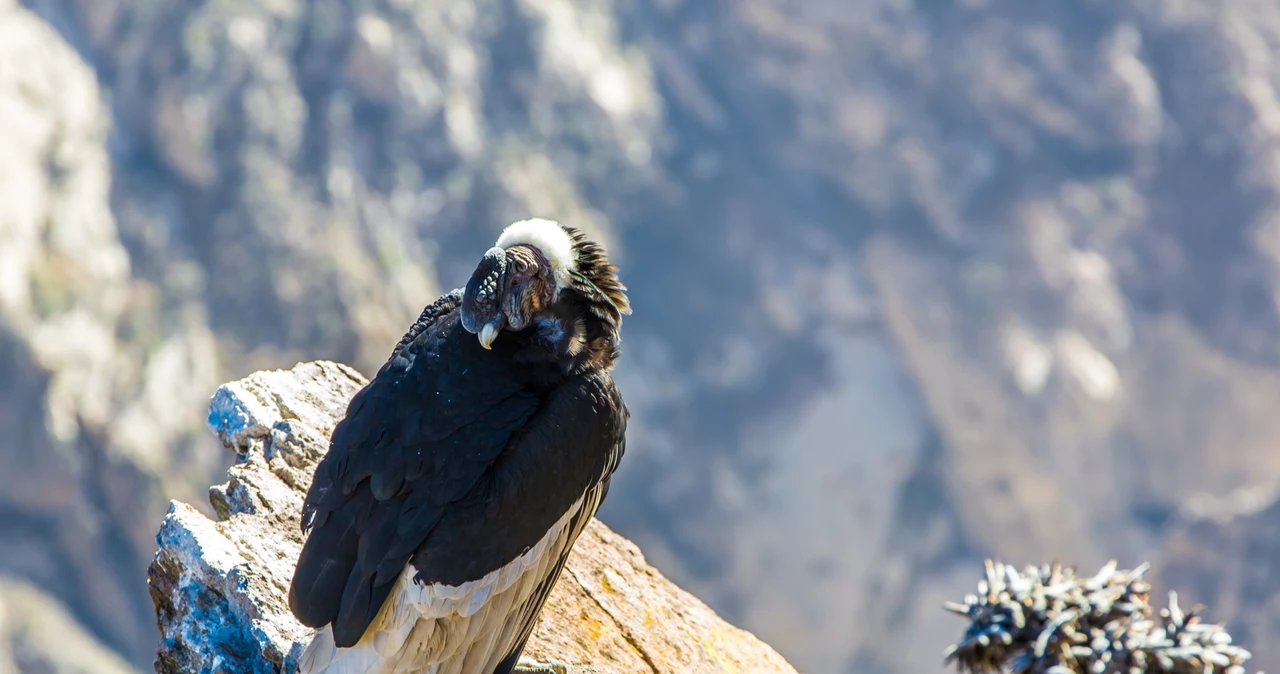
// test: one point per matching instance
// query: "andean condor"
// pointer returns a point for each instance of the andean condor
(462, 474)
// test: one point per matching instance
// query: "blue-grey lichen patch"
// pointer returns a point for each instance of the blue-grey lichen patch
(209, 602)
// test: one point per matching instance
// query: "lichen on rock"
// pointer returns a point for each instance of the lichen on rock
(220, 585)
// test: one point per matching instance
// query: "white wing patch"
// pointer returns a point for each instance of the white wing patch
(547, 236)
(448, 629)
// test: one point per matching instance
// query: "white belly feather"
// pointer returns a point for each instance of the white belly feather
(449, 629)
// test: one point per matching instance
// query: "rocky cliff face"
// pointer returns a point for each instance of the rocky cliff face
(95, 416)
(914, 283)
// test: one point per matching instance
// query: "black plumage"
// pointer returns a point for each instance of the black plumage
(462, 452)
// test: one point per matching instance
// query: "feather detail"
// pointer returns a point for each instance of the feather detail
(447, 629)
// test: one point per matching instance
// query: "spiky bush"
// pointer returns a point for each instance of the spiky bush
(1047, 620)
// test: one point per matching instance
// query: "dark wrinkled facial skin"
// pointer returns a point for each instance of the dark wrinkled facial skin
(531, 286)
(508, 290)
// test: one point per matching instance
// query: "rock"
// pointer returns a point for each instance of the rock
(219, 585)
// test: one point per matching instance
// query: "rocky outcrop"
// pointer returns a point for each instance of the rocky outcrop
(219, 585)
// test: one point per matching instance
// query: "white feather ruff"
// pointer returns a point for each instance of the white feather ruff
(547, 236)
(446, 629)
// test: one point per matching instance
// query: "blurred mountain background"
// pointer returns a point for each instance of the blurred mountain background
(915, 282)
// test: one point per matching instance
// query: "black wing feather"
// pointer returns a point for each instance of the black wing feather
(317, 588)
(567, 448)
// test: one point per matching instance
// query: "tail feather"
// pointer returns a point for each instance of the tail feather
(322, 656)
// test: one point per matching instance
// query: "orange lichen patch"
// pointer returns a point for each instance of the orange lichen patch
(592, 628)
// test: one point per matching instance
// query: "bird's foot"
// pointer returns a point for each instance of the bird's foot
(545, 668)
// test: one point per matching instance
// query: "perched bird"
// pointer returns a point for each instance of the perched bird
(462, 474)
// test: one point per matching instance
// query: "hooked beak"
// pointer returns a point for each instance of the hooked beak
(488, 333)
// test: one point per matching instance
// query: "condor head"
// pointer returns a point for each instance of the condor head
(509, 289)
(544, 274)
